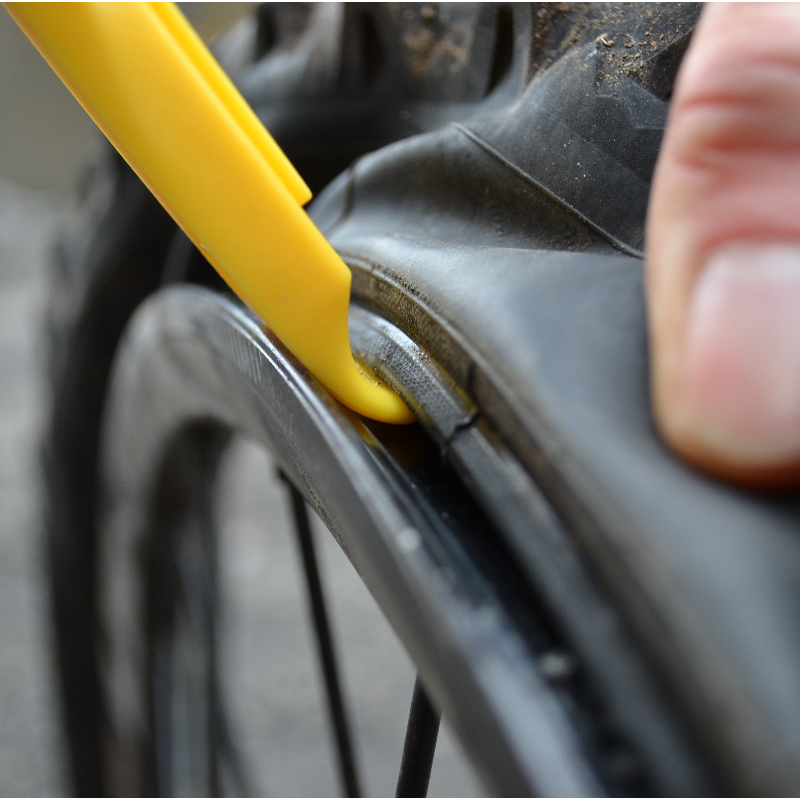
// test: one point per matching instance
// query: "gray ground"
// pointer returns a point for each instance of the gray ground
(272, 678)
(31, 757)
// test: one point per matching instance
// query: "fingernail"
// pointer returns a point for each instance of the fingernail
(743, 349)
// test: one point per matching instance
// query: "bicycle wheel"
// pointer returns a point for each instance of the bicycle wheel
(551, 569)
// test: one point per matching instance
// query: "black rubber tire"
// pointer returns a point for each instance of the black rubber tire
(123, 246)
(108, 264)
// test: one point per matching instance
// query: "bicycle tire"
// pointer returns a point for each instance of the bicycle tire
(522, 199)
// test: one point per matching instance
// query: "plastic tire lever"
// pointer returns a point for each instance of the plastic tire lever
(157, 93)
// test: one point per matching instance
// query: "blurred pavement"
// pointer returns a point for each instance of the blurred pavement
(31, 757)
(44, 138)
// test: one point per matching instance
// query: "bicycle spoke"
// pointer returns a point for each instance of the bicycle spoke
(419, 746)
(330, 671)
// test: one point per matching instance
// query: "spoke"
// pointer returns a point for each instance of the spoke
(347, 766)
(419, 746)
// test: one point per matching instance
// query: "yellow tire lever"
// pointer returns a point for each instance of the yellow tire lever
(154, 89)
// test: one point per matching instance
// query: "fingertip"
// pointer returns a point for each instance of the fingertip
(723, 250)
(735, 404)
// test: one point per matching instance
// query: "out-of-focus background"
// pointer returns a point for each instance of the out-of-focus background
(44, 138)
(272, 676)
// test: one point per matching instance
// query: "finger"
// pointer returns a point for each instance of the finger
(723, 249)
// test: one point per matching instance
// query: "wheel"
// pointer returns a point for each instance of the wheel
(415, 536)
(524, 540)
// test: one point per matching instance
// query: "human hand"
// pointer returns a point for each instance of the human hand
(723, 249)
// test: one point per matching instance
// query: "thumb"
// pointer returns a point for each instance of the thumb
(723, 249)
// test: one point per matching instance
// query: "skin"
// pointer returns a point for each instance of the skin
(723, 249)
